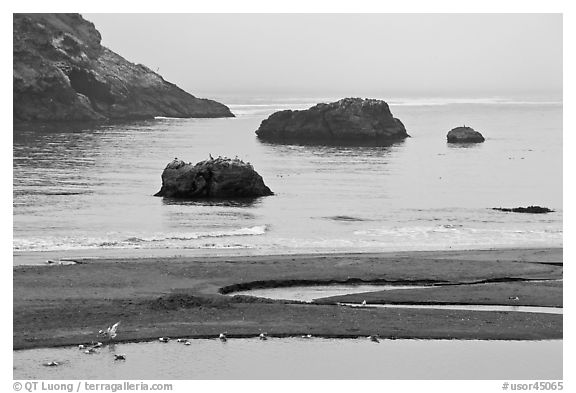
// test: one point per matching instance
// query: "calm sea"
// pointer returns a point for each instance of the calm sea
(88, 189)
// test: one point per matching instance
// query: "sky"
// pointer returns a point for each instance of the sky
(326, 54)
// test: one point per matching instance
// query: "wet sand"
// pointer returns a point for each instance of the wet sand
(183, 297)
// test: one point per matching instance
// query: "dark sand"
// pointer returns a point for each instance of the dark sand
(181, 297)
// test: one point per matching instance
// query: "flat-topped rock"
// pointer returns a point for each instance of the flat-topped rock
(464, 135)
(213, 178)
(346, 120)
(529, 209)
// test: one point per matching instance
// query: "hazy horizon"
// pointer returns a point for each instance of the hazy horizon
(344, 54)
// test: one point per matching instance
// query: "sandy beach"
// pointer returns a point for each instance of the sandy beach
(186, 296)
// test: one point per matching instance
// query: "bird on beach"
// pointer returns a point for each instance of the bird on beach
(90, 351)
(164, 339)
(120, 357)
(180, 340)
(110, 332)
(263, 336)
(514, 298)
(222, 337)
(307, 336)
(97, 345)
(52, 364)
(364, 303)
(187, 342)
(81, 346)
(373, 339)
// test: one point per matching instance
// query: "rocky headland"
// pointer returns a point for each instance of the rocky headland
(464, 135)
(63, 73)
(348, 120)
(213, 178)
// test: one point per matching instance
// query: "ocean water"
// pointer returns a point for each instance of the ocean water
(89, 188)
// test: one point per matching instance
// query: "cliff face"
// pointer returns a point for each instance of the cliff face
(62, 72)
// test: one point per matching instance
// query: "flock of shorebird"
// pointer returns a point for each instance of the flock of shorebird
(111, 332)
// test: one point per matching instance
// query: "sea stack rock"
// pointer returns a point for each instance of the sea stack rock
(347, 120)
(213, 178)
(61, 72)
(464, 135)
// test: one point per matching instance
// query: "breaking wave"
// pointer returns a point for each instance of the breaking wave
(161, 240)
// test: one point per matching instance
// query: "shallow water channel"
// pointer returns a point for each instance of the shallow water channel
(300, 358)
(311, 293)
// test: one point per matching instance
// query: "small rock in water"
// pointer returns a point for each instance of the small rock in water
(464, 135)
(529, 209)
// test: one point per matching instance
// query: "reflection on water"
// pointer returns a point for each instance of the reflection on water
(236, 202)
(299, 358)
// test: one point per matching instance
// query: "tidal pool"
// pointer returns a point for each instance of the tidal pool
(311, 292)
(300, 358)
